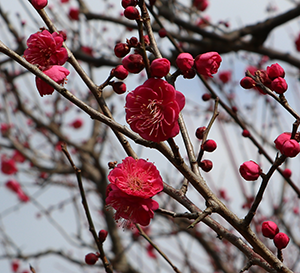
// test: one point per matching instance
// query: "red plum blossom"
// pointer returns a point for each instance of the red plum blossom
(152, 110)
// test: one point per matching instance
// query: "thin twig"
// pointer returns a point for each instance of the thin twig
(157, 248)
(106, 264)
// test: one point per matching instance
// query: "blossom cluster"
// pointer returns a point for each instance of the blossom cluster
(132, 185)
(46, 50)
(272, 77)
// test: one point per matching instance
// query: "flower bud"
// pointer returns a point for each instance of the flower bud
(225, 76)
(200, 131)
(281, 240)
(287, 173)
(74, 14)
(189, 74)
(206, 165)
(247, 83)
(185, 61)
(134, 63)
(120, 72)
(279, 85)
(250, 170)
(119, 87)
(121, 50)
(206, 97)
(127, 3)
(39, 4)
(131, 13)
(133, 41)
(209, 145)
(290, 148)
(281, 139)
(77, 123)
(160, 67)
(162, 33)
(246, 133)
(102, 235)
(208, 63)
(91, 258)
(200, 4)
(275, 71)
(269, 229)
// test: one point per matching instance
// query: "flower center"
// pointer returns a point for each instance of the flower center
(135, 183)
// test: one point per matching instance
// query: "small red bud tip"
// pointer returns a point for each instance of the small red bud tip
(206, 165)
(209, 145)
(287, 173)
(206, 97)
(281, 240)
(234, 109)
(269, 229)
(102, 235)
(121, 50)
(39, 4)
(91, 258)
(131, 13)
(245, 133)
(250, 170)
(127, 3)
(162, 33)
(189, 74)
(119, 87)
(200, 131)
(247, 83)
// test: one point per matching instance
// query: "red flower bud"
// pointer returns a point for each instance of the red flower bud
(247, 83)
(15, 265)
(206, 97)
(287, 173)
(269, 229)
(208, 63)
(162, 33)
(279, 85)
(39, 4)
(209, 145)
(120, 72)
(200, 131)
(206, 165)
(121, 50)
(131, 13)
(133, 41)
(250, 170)
(119, 87)
(281, 139)
(74, 14)
(200, 4)
(160, 67)
(189, 74)
(185, 61)
(275, 71)
(290, 148)
(281, 240)
(225, 76)
(91, 258)
(246, 133)
(133, 63)
(102, 235)
(77, 123)
(127, 3)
